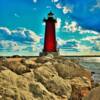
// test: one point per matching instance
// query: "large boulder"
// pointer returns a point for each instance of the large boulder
(24, 87)
(8, 87)
(17, 67)
(40, 92)
(30, 62)
(80, 87)
(81, 81)
(2, 68)
(94, 94)
(48, 76)
(44, 78)
(70, 70)
(15, 87)
(43, 59)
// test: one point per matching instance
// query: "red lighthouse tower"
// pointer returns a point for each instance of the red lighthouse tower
(50, 44)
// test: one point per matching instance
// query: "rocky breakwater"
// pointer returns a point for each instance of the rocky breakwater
(44, 78)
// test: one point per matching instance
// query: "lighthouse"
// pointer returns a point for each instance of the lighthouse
(50, 43)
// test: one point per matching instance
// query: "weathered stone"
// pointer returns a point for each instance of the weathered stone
(55, 84)
(48, 63)
(44, 59)
(94, 94)
(43, 78)
(26, 95)
(81, 82)
(41, 92)
(30, 62)
(2, 68)
(70, 70)
(17, 67)
(8, 76)
(80, 87)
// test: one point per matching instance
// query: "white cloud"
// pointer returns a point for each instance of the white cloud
(13, 46)
(17, 40)
(83, 48)
(91, 38)
(7, 44)
(58, 24)
(61, 42)
(20, 34)
(73, 45)
(54, 0)
(34, 1)
(82, 31)
(5, 31)
(73, 40)
(66, 10)
(71, 26)
(74, 27)
(58, 5)
(97, 45)
(94, 40)
(97, 5)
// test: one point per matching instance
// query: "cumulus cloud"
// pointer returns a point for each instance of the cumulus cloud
(20, 34)
(74, 27)
(80, 46)
(58, 5)
(20, 39)
(60, 42)
(92, 43)
(71, 26)
(97, 5)
(95, 40)
(97, 46)
(76, 46)
(58, 24)
(9, 45)
(54, 0)
(66, 10)
(68, 45)
(34, 1)
(5, 31)
(83, 48)
(92, 38)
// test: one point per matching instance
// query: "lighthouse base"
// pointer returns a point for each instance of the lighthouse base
(48, 53)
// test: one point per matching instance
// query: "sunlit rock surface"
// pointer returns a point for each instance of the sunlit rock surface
(43, 78)
(94, 94)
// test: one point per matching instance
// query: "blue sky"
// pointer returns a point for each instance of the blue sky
(22, 27)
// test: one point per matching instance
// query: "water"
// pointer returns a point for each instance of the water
(90, 63)
(93, 67)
